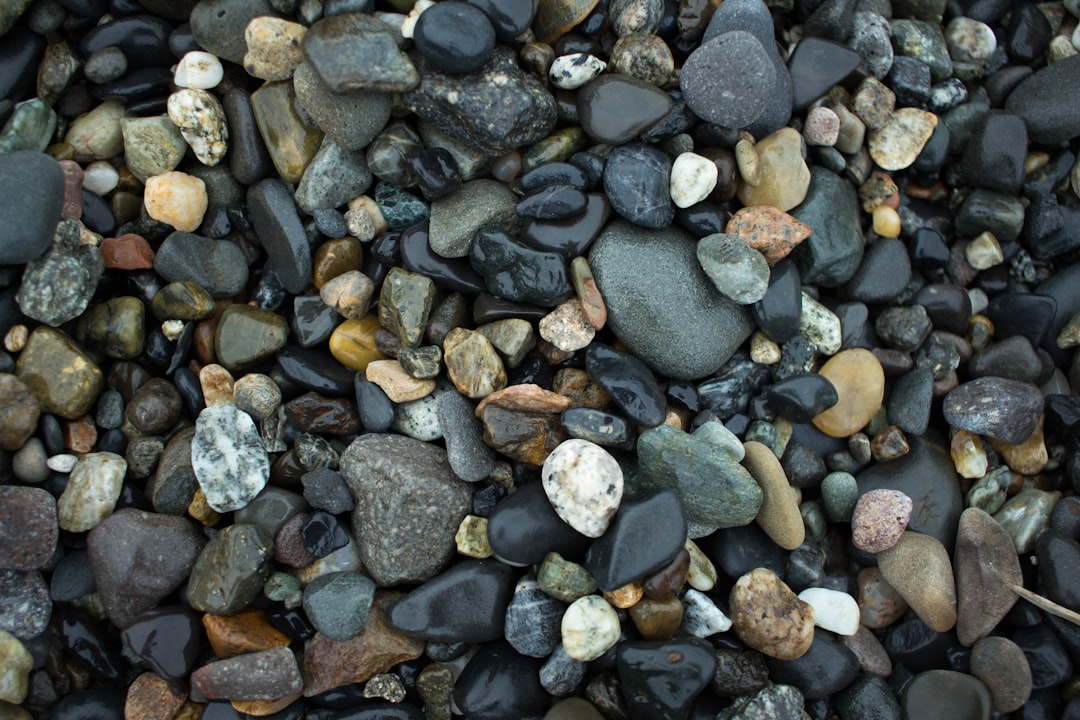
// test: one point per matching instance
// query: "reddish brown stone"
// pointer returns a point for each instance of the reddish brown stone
(889, 444)
(525, 398)
(203, 341)
(335, 257)
(245, 632)
(669, 579)
(879, 519)
(329, 664)
(73, 180)
(151, 698)
(28, 529)
(768, 230)
(266, 675)
(526, 437)
(289, 544)
(262, 708)
(579, 387)
(127, 252)
(80, 434)
(313, 413)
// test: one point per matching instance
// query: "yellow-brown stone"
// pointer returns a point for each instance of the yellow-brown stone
(335, 257)
(769, 617)
(246, 632)
(201, 510)
(398, 385)
(968, 455)
(150, 698)
(527, 398)
(262, 708)
(626, 596)
(290, 139)
(61, 376)
(918, 567)
(353, 343)
(779, 515)
(860, 387)
(580, 388)
(1027, 458)
(217, 385)
(657, 619)
(472, 363)
(785, 178)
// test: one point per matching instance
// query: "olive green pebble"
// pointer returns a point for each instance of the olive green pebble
(839, 492)
(564, 580)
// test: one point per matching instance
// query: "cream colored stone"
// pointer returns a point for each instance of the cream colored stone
(398, 385)
(177, 199)
(896, 144)
(785, 178)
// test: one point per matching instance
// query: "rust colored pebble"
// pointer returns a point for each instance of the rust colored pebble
(80, 435)
(768, 230)
(246, 632)
(879, 519)
(150, 698)
(127, 252)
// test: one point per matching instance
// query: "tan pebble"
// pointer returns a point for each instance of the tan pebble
(363, 202)
(889, 444)
(626, 596)
(526, 398)
(567, 327)
(886, 221)
(880, 605)
(472, 363)
(201, 510)
(273, 48)
(785, 178)
(1029, 457)
(149, 697)
(16, 338)
(768, 230)
(471, 537)
(217, 385)
(657, 619)
(769, 617)
(918, 566)
(878, 188)
(879, 519)
(262, 708)
(176, 199)
(398, 385)
(860, 387)
(871, 654)
(779, 515)
(702, 573)
(984, 251)
(763, 349)
(349, 293)
(896, 144)
(968, 455)
(873, 102)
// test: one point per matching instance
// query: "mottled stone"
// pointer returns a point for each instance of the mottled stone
(584, 485)
(767, 616)
(62, 377)
(92, 490)
(879, 519)
(228, 457)
(231, 570)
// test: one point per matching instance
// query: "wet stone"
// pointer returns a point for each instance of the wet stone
(631, 384)
(533, 620)
(616, 108)
(1001, 409)
(31, 207)
(518, 273)
(58, 373)
(43, 296)
(217, 265)
(472, 363)
(636, 179)
(223, 431)
(825, 669)
(729, 79)
(622, 554)
(338, 603)
(404, 305)
(768, 616)
(832, 253)
(267, 675)
(230, 570)
(355, 51)
(468, 456)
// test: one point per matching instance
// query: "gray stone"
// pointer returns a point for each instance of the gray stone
(737, 270)
(661, 304)
(1047, 100)
(30, 204)
(332, 178)
(218, 25)
(338, 603)
(58, 287)
(277, 224)
(350, 119)
(909, 402)
(834, 250)
(469, 457)
(231, 570)
(356, 51)
(25, 605)
(228, 457)
(728, 80)
(533, 620)
(217, 265)
(400, 480)
(456, 218)
(1001, 409)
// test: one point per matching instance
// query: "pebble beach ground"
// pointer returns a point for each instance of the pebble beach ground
(561, 359)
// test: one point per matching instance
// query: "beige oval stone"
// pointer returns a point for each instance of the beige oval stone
(918, 567)
(769, 617)
(896, 144)
(217, 385)
(779, 515)
(860, 387)
(398, 385)
(177, 199)
(784, 176)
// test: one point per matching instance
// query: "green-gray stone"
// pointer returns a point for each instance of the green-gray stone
(768, 703)
(404, 305)
(30, 127)
(963, 120)
(814, 521)
(182, 300)
(1026, 515)
(247, 334)
(834, 250)
(152, 145)
(114, 327)
(59, 373)
(470, 161)
(988, 493)
(400, 209)
(839, 492)
(338, 603)
(356, 51)
(765, 433)
(231, 570)
(457, 217)
(512, 337)
(1001, 214)
(564, 580)
(57, 287)
(422, 363)
(716, 490)
(290, 137)
(436, 686)
(271, 509)
(923, 41)
(284, 588)
(556, 147)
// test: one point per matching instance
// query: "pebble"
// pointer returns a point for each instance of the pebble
(93, 488)
(729, 79)
(198, 70)
(338, 603)
(918, 566)
(352, 120)
(834, 610)
(995, 407)
(567, 327)
(15, 671)
(267, 675)
(177, 199)
(455, 39)
(584, 485)
(768, 230)
(201, 120)
(570, 72)
(968, 697)
(701, 617)
(1001, 665)
(785, 177)
(273, 48)
(738, 271)
(825, 669)
(621, 555)
(456, 218)
(499, 683)
(860, 385)
(879, 519)
(616, 108)
(589, 628)
(779, 514)
(637, 178)
(897, 143)
(689, 663)
(228, 457)
(769, 617)
(781, 702)
(533, 620)
(469, 458)
(832, 253)
(1039, 100)
(59, 373)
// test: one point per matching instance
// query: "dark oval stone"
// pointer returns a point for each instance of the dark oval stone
(20, 54)
(868, 697)
(466, 603)
(946, 693)
(629, 382)
(552, 202)
(947, 305)
(519, 273)
(498, 683)
(927, 476)
(454, 274)
(1059, 566)
(826, 668)
(249, 160)
(928, 249)
(509, 17)
(316, 370)
(1029, 314)
(182, 41)
(144, 40)
(488, 308)
(97, 215)
(883, 274)
(276, 221)
(778, 313)
(994, 156)
(644, 537)
(636, 180)
(738, 550)
(569, 237)
(917, 646)
(435, 172)
(1044, 99)
(597, 426)
(592, 165)
(1029, 34)
(96, 704)
(168, 639)
(72, 578)
(1012, 358)
(934, 152)
(662, 679)
(93, 648)
(615, 108)
(323, 534)
(523, 528)
(457, 38)
(1005, 410)
(145, 83)
(800, 398)
(312, 321)
(704, 218)
(376, 410)
(555, 173)
(30, 209)
(155, 407)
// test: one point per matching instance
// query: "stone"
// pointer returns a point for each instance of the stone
(1040, 101)
(897, 144)
(152, 146)
(779, 514)
(19, 413)
(472, 363)
(986, 569)
(338, 603)
(584, 485)
(398, 385)
(15, 670)
(385, 469)
(769, 618)
(918, 566)
(834, 610)
(1003, 668)
(860, 386)
(728, 80)
(356, 51)
(616, 108)
(228, 457)
(637, 180)
(533, 620)
(567, 327)
(469, 458)
(687, 330)
(456, 218)
(59, 373)
(768, 230)
(1001, 409)
(967, 695)
(499, 683)
(177, 199)
(92, 490)
(738, 271)
(785, 177)
(42, 296)
(266, 675)
(879, 519)
(782, 702)
(686, 666)
(589, 628)
(29, 531)
(31, 206)
(201, 120)
(231, 570)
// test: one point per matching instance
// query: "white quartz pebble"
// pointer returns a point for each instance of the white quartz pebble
(590, 627)
(570, 72)
(62, 463)
(701, 616)
(820, 326)
(584, 484)
(198, 70)
(100, 178)
(833, 610)
(702, 573)
(693, 177)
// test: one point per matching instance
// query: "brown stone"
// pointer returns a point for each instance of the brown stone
(879, 603)
(669, 579)
(127, 252)
(580, 388)
(879, 519)
(526, 437)
(262, 708)
(472, 363)
(348, 293)
(986, 568)
(335, 257)
(657, 619)
(526, 398)
(203, 341)
(1004, 669)
(918, 566)
(289, 548)
(769, 617)
(626, 596)
(71, 209)
(779, 514)
(200, 510)
(265, 675)
(28, 527)
(247, 631)
(313, 413)
(329, 664)
(1027, 458)
(19, 412)
(151, 698)
(878, 188)
(872, 655)
(770, 231)
(217, 385)
(80, 434)
(860, 387)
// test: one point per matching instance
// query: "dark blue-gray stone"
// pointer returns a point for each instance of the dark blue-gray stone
(277, 224)
(826, 668)
(628, 381)
(661, 680)
(338, 603)
(644, 537)
(636, 181)
(217, 265)
(883, 274)
(728, 80)
(30, 204)
(533, 620)
(518, 273)
(910, 401)
(1001, 409)
(832, 253)
(994, 156)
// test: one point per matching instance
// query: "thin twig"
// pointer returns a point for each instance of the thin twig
(1048, 605)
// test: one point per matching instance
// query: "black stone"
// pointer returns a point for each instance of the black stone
(168, 639)
(910, 401)
(249, 161)
(323, 534)
(1050, 228)
(435, 171)
(947, 305)
(533, 620)
(1028, 314)
(910, 80)
(72, 578)
(95, 704)
(325, 489)
(375, 408)
(498, 683)
(1045, 101)
(597, 426)
(466, 603)
(994, 156)
(802, 465)
(523, 528)
(614, 108)
(636, 180)
(826, 668)
(816, 65)
(1011, 358)
(569, 237)
(1004, 410)
(645, 535)
(20, 54)
(800, 398)
(1059, 567)
(90, 645)
(457, 38)
(292, 622)
(630, 383)
(934, 153)
(1029, 34)
(275, 219)
(144, 40)
(884, 273)
(510, 18)
(316, 370)
(661, 680)
(141, 84)
(738, 550)
(552, 202)
(519, 273)
(312, 321)
(917, 646)
(868, 697)
(30, 204)
(704, 218)
(1041, 182)
(733, 387)
(380, 710)
(555, 173)
(454, 274)
(1050, 664)
(592, 165)
(97, 215)
(777, 314)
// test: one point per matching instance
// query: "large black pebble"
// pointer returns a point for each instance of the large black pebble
(636, 179)
(826, 668)
(661, 680)
(166, 638)
(629, 382)
(645, 535)
(454, 37)
(498, 683)
(523, 528)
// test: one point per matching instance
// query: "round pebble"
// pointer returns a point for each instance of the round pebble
(879, 519)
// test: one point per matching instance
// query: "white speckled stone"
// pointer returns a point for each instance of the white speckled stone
(201, 120)
(570, 72)
(693, 177)
(228, 457)
(92, 491)
(701, 616)
(833, 610)
(198, 70)
(820, 326)
(590, 627)
(419, 418)
(584, 484)
(566, 327)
